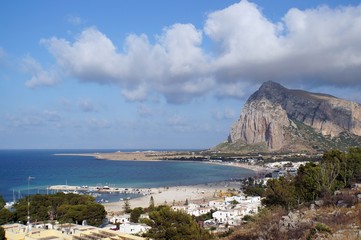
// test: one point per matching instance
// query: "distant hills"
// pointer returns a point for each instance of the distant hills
(277, 119)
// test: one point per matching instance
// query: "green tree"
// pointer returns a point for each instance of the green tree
(353, 161)
(167, 224)
(255, 191)
(62, 207)
(331, 175)
(2, 233)
(126, 206)
(2, 202)
(151, 203)
(135, 214)
(306, 182)
(281, 192)
(6, 216)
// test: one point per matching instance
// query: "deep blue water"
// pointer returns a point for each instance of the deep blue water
(48, 169)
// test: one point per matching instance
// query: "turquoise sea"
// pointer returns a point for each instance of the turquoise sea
(47, 169)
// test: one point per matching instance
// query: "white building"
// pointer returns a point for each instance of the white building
(133, 228)
(231, 216)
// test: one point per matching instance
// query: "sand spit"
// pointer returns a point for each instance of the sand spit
(139, 155)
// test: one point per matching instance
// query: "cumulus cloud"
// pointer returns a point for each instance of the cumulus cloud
(243, 34)
(40, 77)
(320, 44)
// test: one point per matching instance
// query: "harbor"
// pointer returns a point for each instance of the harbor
(100, 189)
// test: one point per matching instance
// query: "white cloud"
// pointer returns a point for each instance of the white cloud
(139, 93)
(176, 58)
(320, 43)
(244, 35)
(40, 77)
(92, 57)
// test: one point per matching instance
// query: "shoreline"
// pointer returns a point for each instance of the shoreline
(156, 155)
(198, 193)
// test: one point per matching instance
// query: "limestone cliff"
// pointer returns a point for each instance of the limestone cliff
(274, 115)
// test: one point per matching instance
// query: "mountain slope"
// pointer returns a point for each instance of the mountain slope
(275, 118)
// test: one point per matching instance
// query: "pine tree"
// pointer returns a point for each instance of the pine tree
(151, 203)
(126, 206)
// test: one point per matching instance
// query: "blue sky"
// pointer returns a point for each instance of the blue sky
(162, 74)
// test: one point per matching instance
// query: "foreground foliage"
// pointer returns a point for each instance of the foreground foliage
(62, 207)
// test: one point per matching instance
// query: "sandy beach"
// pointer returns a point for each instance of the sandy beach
(176, 195)
(139, 155)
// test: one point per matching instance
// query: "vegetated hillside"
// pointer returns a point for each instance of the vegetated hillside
(277, 119)
(325, 222)
(323, 201)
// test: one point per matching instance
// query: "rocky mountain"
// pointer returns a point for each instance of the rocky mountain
(275, 118)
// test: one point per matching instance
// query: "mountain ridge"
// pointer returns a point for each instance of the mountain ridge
(275, 118)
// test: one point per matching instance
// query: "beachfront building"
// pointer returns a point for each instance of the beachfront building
(63, 231)
(133, 228)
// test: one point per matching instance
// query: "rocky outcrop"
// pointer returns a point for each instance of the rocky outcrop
(271, 113)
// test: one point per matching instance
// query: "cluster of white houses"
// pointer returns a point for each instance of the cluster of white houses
(233, 209)
(227, 211)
